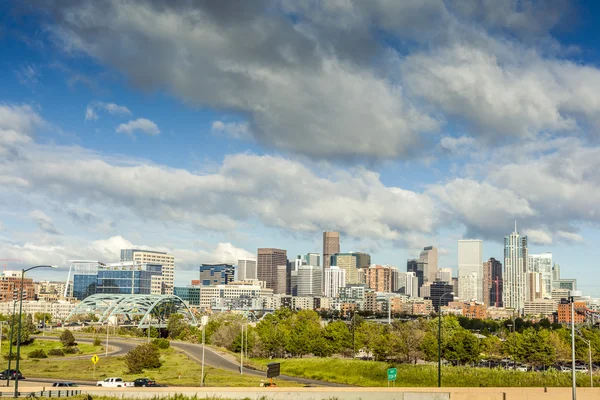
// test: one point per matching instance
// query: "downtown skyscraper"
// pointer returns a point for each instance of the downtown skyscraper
(515, 268)
(331, 246)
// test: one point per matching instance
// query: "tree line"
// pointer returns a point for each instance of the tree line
(464, 341)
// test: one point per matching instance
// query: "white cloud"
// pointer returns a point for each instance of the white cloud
(44, 222)
(236, 130)
(90, 114)
(459, 146)
(114, 109)
(570, 237)
(538, 236)
(140, 124)
(27, 75)
(483, 208)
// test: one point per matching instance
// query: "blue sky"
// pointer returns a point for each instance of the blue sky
(209, 130)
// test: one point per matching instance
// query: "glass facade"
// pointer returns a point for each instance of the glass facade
(216, 274)
(84, 285)
(124, 281)
(190, 294)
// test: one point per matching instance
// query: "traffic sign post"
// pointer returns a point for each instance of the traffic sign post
(94, 361)
(391, 375)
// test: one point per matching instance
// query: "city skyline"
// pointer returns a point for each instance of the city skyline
(462, 121)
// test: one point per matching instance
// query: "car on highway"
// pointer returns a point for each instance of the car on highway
(144, 382)
(10, 374)
(114, 382)
(64, 384)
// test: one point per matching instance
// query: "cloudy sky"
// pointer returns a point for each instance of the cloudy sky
(210, 128)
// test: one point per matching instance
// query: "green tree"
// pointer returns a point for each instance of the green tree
(273, 334)
(44, 318)
(338, 336)
(67, 339)
(463, 347)
(492, 347)
(176, 326)
(305, 332)
(145, 356)
(14, 329)
(539, 350)
(407, 340)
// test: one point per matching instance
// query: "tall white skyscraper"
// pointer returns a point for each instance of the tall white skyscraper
(246, 269)
(515, 266)
(470, 269)
(412, 285)
(334, 279)
(310, 280)
(542, 263)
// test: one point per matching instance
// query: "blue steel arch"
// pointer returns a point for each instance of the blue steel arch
(149, 310)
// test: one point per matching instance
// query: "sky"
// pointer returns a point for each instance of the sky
(209, 129)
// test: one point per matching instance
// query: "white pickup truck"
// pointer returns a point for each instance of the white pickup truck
(114, 382)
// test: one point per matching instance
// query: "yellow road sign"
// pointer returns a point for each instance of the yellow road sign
(95, 358)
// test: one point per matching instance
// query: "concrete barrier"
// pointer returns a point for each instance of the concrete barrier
(359, 393)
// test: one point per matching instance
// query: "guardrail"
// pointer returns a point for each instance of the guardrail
(43, 393)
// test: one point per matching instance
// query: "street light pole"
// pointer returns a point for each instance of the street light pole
(16, 394)
(572, 295)
(12, 332)
(440, 337)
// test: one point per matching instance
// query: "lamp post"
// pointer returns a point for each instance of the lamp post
(12, 332)
(510, 326)
(20, 323)
(440, 337)
(203, 322)
(572, 295)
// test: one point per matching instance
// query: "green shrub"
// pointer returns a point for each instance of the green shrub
(142, 357)
(70, 350)
(67, 339)
(12, 357)
(56, 352)
(39, 353)
(97, 342)
(161, 343)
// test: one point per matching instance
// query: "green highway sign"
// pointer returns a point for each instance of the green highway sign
(392, 374)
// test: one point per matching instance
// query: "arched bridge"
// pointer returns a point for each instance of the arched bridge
(143, 310)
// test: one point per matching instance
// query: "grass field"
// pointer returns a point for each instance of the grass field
(373, 373)
(86, 348)
(177, 370)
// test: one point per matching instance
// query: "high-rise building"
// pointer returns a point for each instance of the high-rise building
(412, 285)
(444, 275)
(470, 269)
(334, 279)
(556, 272)
(331, 246)
(534, 286)
(297, 262)
(313, 259)
(347, 261)
(492, 283)
(216, 274)
(310, 281)
(542, 263)
(282, 280)
(268, 263)
(363, 260)
(418, 267)
(515, 265)
(430, 256)
(381, 278)
(440, 294)
(246, 269)
(156, 258)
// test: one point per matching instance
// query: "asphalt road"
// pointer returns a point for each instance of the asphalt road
(123, 346)
(214, 359)
(194, 352)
